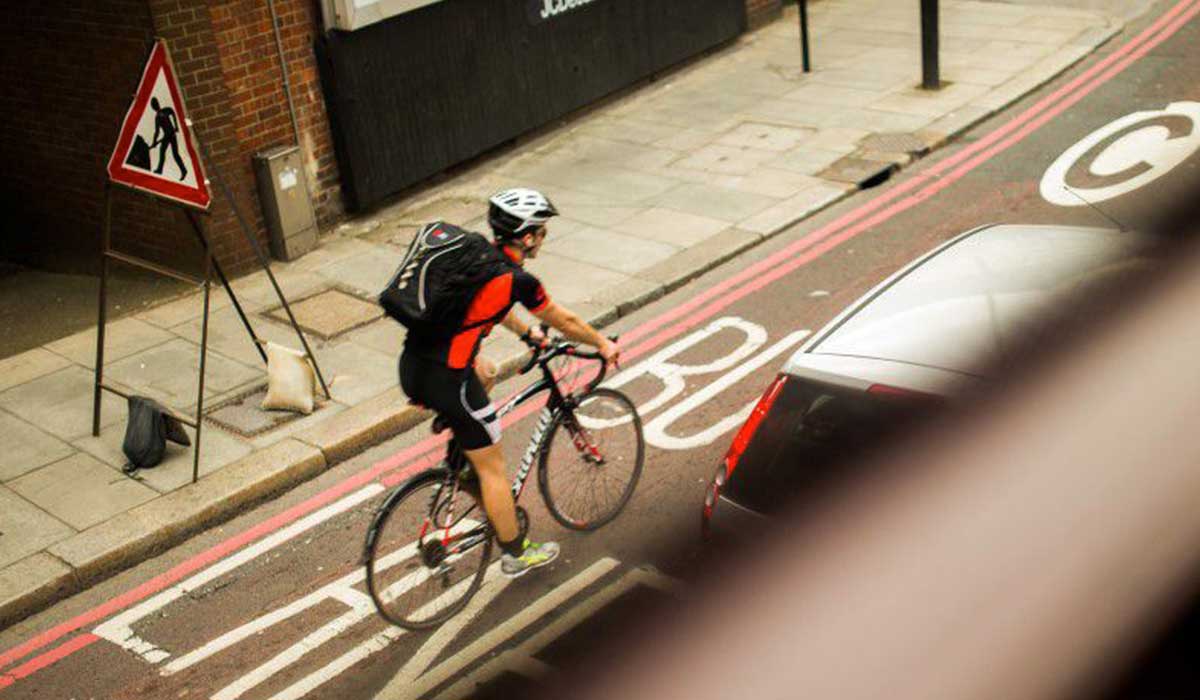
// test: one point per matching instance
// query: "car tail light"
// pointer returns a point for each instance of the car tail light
(743, 437)
(710, 500)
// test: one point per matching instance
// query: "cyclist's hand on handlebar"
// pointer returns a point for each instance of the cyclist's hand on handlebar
(610, 352)
(536, 337)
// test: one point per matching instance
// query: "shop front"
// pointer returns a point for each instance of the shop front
(416, 86)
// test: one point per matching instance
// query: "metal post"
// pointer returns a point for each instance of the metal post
(105, 244)
(930, 79)
(228, 289)
(804, 33)
(208, 268)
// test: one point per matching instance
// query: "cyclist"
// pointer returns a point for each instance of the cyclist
(448, 377)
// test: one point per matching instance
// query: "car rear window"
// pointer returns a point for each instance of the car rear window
(812, 430)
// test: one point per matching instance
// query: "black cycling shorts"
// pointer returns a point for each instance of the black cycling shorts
(457, 395)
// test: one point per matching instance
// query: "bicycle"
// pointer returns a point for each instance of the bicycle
(425, 555)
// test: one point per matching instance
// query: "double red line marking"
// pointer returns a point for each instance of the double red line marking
(658, 330)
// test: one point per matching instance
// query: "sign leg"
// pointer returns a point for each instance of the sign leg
(106, 240)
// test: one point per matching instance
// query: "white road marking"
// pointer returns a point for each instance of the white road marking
(673, 375)
(119, 630)
(493, 586)
(656, 430)
(521, 659)
(1145, 153)
(398, 689)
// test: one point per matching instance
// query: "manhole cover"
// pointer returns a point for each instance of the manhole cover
(861, 172)
(329, 313)
(894, 143)
(241, 415)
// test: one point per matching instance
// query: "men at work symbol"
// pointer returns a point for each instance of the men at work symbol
(166, 123)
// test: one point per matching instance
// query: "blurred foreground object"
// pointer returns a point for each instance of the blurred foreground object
(1029, 551)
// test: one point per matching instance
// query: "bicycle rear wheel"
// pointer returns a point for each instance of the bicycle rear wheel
(427, 550)
(588, 474)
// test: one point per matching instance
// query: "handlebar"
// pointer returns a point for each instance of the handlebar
(555, 347)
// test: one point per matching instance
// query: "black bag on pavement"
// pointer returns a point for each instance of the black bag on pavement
(443, 268)
(147, 430)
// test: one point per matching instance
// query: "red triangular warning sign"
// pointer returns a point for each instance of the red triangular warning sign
(156, 152)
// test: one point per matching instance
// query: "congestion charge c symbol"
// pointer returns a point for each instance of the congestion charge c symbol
(1123, 155)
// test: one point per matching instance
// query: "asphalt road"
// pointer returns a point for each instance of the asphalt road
(266, 606)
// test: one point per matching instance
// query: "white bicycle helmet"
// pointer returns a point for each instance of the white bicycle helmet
(512, 213)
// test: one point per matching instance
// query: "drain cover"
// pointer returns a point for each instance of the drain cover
(329, 313)
(861, 172)
(241, 415)
(894, 143)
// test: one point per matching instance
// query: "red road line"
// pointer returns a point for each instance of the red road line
(763, 272)
(57, 654)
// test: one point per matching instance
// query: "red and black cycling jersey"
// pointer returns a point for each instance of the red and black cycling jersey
(457, 348)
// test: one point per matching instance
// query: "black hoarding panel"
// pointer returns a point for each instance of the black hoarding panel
(413, 95)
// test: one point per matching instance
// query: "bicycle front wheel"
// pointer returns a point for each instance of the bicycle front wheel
(427, 551)
(591, 459)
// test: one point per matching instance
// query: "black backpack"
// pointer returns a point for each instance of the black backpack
(149, 427)
(443, 268)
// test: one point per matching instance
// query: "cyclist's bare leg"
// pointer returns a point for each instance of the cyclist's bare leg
(486, 370)
(497, 494)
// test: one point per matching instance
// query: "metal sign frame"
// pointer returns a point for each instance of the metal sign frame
(192, 209)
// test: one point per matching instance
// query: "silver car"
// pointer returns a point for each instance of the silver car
(921, 337)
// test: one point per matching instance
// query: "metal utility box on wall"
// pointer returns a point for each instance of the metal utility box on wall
(286, 203)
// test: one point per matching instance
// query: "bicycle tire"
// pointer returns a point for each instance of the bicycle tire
(559, 501)
(396, 523)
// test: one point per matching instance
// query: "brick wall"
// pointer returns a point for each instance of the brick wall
(67, 73)
(759, 12)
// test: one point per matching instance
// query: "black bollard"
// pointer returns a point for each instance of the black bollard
(929, 45)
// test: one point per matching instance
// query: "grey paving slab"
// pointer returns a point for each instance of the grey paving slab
(933, 103)
(796, 114)
(685, 139)
(81, 490)
(1032, 78)
(795, 208)
(294, 283)
(61, 403)
(368, 272)
(594, 215)
(171, 373)
(331, 249)
(582, 147)
(834, 95)
(764, 137)
(326, 411)
(726, 160)
(609, 183)
(217, 449)
(716, 202)
(227, 336)
(191, 306)
(697, 259)
(807, 160)
(25, 528)
(26, 448)
(676, 228)
(122, 338)
(384, 335)
(29, 365)
(619, 252)
(357, 372)
(629, 129)
(568, 281)
(858, 78)
(837, 138)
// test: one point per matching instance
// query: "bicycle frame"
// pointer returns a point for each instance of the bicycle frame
(456, 460)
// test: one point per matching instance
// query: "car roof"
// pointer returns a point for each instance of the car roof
(969, 299)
